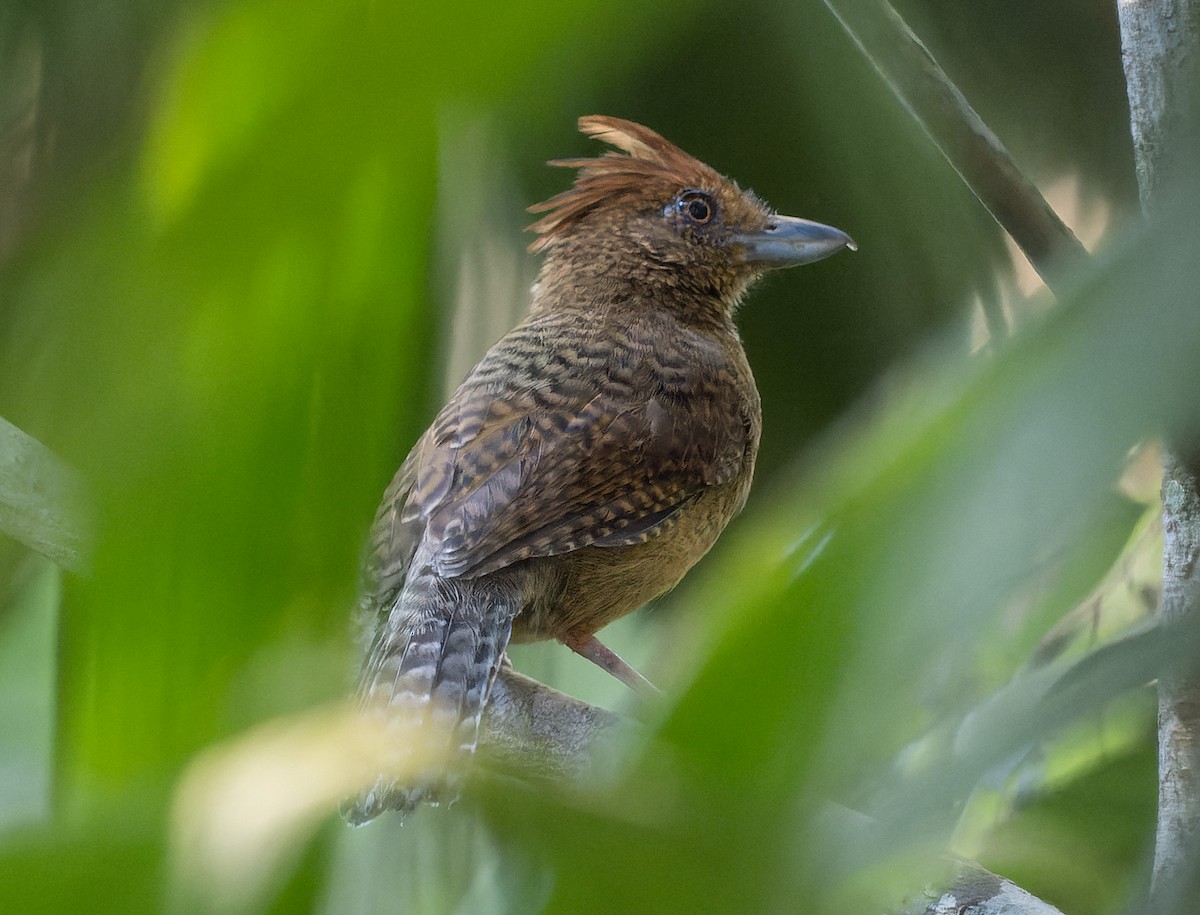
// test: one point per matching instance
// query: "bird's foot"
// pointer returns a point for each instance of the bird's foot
(605, 658)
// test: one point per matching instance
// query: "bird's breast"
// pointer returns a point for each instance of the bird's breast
(585, 590)
(701, 413)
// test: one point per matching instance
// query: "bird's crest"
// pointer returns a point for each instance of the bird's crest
(648, 164)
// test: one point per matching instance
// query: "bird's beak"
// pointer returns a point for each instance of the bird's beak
(788, 241)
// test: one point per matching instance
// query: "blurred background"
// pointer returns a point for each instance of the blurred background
(246, 248)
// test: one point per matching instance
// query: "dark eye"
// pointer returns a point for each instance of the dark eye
(697, 207)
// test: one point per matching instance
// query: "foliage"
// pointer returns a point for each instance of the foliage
(219, 301)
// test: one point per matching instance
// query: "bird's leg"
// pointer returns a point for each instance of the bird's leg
(605, 658)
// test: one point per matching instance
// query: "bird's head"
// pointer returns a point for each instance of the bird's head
(654, 221)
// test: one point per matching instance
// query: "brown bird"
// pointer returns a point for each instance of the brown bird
(593, 455)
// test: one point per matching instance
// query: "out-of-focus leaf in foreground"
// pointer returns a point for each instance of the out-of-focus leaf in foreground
(226, 327)
(887, 562)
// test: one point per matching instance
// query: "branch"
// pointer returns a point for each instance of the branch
(1158, 49)
(242, 806)
(1176, 838)
(847, 844)
(1160, 46)
(960, 134)
(980, 892)
(542, 734)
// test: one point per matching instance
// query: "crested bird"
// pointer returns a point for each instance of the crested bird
(594, 453)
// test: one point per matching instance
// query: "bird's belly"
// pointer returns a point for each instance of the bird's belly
(597, 585)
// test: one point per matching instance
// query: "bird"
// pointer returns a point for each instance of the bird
(594, 453)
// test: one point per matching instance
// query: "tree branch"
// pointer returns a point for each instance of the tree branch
(980, 892)
(963, 138)
(540, 734)
(1176, 838)
(1160, 47)
(543, 734)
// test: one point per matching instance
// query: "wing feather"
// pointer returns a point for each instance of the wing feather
(531, 459)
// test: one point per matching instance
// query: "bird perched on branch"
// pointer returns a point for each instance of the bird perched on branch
(593, 455)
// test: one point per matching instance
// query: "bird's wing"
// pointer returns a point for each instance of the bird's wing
(390, 550)
(551, 461)
(393, 540)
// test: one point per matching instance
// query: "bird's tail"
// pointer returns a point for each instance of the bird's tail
(428, 677)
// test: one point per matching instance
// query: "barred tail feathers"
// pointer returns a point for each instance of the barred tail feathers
(432, 667)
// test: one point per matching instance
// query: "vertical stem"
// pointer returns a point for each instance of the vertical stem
(968, 144)
(1175, 855)
(1160, 49)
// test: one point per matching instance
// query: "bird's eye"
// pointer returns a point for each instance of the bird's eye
(697, 206)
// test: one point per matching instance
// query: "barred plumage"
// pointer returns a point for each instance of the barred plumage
(592, 456)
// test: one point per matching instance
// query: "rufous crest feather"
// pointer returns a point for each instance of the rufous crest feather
(648, 162)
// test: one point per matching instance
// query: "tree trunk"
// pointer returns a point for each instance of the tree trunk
(1160, 47)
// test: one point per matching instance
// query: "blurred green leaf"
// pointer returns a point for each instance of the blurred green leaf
(41, 502)
(1078, 841)
(215, 300)
(102, 869)
(28, 617)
